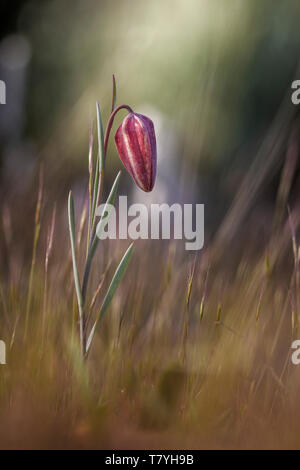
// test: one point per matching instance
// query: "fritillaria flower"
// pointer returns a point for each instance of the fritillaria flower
(136, 145)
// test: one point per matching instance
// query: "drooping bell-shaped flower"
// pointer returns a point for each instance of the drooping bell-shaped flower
(136, 145)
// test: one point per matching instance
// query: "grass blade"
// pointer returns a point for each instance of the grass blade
(73, 251)
(37, 229)
(114, 94)
(106, 212)
(90, 188)
(100, 133)
(100, 227)
(99, 165)
(95, 192)
(119, 273)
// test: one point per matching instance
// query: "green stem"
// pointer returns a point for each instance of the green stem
(111, 121)
(94, 239)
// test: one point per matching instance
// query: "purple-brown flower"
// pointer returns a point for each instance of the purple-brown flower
(136, 145)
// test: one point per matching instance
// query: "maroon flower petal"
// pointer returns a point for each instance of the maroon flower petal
(136, 145)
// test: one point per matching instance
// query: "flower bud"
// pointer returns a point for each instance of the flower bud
(136, 145)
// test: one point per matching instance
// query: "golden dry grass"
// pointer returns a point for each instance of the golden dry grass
(214, 374)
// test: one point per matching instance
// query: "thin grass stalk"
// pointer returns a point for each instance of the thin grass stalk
(33, 260)
(114, 94)
(48, 254)
(187, 312)
(75, 271)
(99, 176)
(90, 189)
(81, 227)
(286, 179)
(203, 299)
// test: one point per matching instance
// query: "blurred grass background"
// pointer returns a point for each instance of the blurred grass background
(215, 78)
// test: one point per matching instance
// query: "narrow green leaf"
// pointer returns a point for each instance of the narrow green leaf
(90, 188)
(99, 163)
(95, 192)
(114, 94)
(119, 273)
(106, 213)
(100, 227)
(110, 202)
(101, 154)
(73, 245)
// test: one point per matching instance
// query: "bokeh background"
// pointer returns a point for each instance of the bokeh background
(194, 351)
(211, 74)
